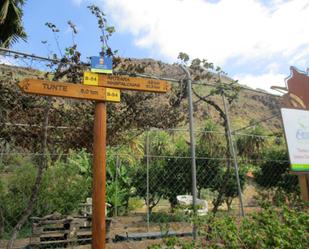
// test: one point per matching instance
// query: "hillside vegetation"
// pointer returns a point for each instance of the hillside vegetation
(250, 106)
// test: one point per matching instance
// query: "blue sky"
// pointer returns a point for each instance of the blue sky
(59, 12)
(255, 41)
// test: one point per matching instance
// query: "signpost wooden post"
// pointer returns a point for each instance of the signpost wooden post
(99, 177)
(100, 93)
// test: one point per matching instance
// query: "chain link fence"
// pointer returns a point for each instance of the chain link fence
(149, 181)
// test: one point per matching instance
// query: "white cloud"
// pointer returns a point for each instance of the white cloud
(263, 81)
(218, 31)
(78, 2)
(8, 61)
(273, 67)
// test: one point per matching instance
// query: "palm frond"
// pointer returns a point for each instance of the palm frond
(4, 10)
(11, 29)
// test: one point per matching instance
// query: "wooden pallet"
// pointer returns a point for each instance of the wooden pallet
(62, 231)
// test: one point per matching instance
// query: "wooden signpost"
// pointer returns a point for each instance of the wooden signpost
(96, 88)
(126, 82)
(69, 90)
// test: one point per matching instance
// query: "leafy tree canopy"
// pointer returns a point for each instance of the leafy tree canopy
(11, 27)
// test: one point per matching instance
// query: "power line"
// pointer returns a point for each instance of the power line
(5, 50)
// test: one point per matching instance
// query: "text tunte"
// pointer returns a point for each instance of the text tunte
(55, 87)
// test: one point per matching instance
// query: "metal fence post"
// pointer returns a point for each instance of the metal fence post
(192, 146)
(116, 188)
(147, 178)
(232, 149)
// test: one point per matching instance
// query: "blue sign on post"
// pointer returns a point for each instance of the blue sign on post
(102, 64)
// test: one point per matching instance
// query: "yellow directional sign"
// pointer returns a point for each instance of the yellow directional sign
(112, 94)
(91, 79)
(69, 90)
(126, 82)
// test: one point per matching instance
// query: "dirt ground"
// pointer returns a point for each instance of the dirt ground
(127, 245)
(135, 224)
(120, 245)
(20, 243)
(123, 225)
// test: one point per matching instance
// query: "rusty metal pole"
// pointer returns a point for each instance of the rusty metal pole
(99, 177)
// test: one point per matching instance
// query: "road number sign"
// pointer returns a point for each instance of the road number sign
(69, 90)
(102, 64)
(126, 82)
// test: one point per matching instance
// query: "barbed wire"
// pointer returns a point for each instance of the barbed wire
(40, 126)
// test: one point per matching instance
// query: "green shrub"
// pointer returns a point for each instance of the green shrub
(12, 161)
(269, 228)
(19, 188)
(119, 170)
(62, 189)
(274, 172)
(135, 203)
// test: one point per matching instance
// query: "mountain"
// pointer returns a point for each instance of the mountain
(252, 105)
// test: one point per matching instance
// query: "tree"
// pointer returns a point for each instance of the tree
(177, 173)
(274, 172)
(159, 144)
(121, 165)
(74, 57)
(250, 145)
(231, 190)
(11, 27)
(203, 70)
(131, 113)
(60, 190)
(211, 169)
(208, 167)
(156, 185)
